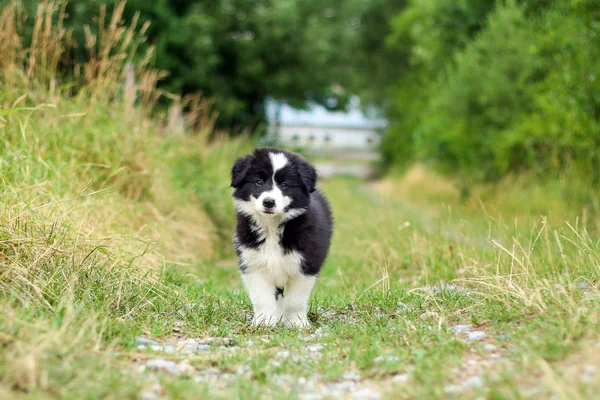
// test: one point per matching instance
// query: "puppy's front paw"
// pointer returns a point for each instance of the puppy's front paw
(297, 321)
(265, 319)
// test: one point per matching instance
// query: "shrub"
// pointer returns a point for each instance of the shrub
(522, 95)
(489, 88)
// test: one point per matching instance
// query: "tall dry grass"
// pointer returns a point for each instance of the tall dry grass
(112, 70)
(90, 214)
(44, 63)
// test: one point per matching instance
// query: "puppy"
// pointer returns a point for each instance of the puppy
(284, 228)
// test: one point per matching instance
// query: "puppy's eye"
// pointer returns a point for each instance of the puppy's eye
(259, 182)
(283, 185)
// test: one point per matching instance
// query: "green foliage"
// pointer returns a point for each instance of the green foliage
(563, 129)
(241, 51)
(424, 35)
(208, 175)
(238, 52)
(481, 98)
(493, 88)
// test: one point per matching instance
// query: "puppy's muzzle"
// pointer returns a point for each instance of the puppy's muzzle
(268, 203)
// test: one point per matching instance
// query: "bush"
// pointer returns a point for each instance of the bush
(467, 124)
(522, 94)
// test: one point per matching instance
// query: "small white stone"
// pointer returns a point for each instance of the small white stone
(474, 381)
(351, 376)
(160, 364)
(203, 347)
(475, 336)
(328, 315)
(388, 358)
(400, 378)
(345, 385)
(405, 225)
(582, 285)
(489, 347)
(366, 394)
(243, 370)
(461, 328)
(282, 354)
(169, 349)
(315, 347)
(443, 285)
(590, 369)
(142, 341)
(588, 373)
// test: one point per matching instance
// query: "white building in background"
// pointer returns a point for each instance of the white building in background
(317, 128)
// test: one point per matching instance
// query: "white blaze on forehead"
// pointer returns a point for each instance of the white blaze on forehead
(278, 160)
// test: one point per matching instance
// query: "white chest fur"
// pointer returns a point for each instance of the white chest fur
(269, 258)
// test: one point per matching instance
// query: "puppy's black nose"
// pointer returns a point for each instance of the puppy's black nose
(269, 202)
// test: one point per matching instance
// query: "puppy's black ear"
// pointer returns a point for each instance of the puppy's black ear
(308, 174)
(239, 170)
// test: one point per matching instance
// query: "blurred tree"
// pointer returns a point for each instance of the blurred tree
(375, 63)
(496, 87)
(240, 51)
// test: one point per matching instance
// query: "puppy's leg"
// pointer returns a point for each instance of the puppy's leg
(266, 299)
(296, 300)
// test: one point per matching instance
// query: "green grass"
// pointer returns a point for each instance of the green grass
(70, 319)
(110, 231)
(96, 250)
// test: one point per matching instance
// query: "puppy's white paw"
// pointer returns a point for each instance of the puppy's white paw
(265, 319)
(297, 321)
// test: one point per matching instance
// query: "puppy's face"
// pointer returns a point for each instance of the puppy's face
(272, 183)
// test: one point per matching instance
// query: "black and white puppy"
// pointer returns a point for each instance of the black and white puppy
(284, 228)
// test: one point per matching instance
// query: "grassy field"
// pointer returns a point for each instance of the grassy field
(422, 297)
(117, 277)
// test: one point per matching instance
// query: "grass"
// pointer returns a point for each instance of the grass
(381, 304)
(111, 230)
